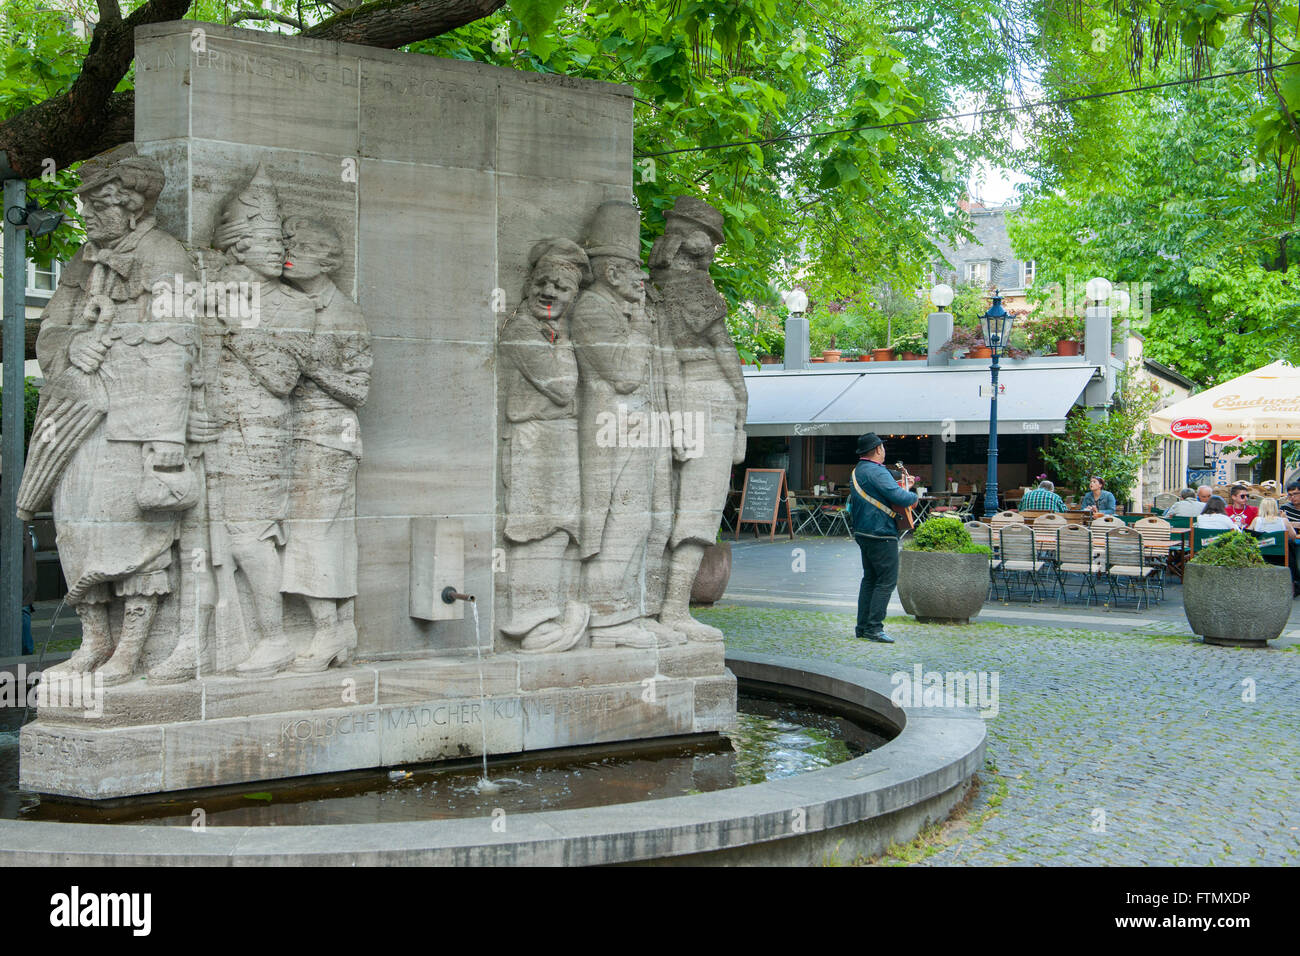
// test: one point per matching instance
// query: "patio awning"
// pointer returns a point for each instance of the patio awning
(1263, 404)
(915, 401)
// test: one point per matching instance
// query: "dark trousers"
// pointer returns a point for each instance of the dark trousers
(879, 576)
(1295, 565)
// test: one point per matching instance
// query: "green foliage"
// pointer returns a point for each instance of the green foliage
(941, 533)
(1166, 190)
(1236, 549)
(911, 342)
(1115, 448)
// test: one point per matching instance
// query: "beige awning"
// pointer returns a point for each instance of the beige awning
(1263, 404)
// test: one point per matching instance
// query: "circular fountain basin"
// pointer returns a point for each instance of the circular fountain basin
(855, 808)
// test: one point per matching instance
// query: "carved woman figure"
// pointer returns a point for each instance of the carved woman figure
(320, 554)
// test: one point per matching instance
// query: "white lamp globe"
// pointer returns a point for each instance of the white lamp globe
(1098, 289)
(1121, 300)
(796, 301)
(941, 295)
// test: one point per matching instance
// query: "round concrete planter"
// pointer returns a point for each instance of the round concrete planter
(714, 573)
(941, 586)
(1237, 607)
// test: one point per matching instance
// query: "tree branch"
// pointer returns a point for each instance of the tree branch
(62, 127)
(263, 15)
(384, 24)
(90, 118)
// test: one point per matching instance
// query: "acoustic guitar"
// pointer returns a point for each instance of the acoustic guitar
(903, 519)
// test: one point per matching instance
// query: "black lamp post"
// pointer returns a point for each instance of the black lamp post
(996, 326)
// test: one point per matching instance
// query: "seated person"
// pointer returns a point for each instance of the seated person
(1203, 493)
(1042, 498)
(1215, 516)
(1098, 501)
(1270, 520)
(1187, 506)
(1240, 513)
(1291, 512)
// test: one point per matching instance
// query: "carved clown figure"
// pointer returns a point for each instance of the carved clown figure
(543, 491)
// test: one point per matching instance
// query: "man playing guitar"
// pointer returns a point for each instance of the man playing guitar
(872, 512)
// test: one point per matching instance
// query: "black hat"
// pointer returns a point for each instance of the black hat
(868, 443)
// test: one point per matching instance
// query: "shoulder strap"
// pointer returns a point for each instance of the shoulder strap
(858, 488)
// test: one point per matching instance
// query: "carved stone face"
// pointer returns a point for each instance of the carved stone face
(626, 279)
(107, 212)
(697, 244)
(303, 261)
(550, 290)
(262, 253)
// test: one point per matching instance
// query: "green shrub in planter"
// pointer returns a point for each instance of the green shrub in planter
(943, 576)
(1232, 596)
(941, 533)
(1236, 549)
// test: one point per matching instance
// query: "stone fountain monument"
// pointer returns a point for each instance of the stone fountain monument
(357, 338)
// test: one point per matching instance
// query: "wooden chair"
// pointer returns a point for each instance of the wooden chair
(980, 533)
(1203, 536)
(1100, 527)
(1074, 555)
(1045, 527)
(1019, 557)
(1273, 544)
(1004, 518)
(1126, 565)
(1155, 548)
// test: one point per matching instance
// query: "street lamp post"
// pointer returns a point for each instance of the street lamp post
(996, 326)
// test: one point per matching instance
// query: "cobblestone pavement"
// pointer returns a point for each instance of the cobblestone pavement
(1123, 745)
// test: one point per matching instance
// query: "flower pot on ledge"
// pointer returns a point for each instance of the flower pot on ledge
(1067, 347)
(865, 358)
(832, 355)
(912, 356)
(982, 351)
(882, 355)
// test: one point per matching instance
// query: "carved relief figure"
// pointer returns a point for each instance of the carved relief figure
(706, 396)
(109, 441)
(320, 555)
(541, 469)
(249, 464)
(612, 339)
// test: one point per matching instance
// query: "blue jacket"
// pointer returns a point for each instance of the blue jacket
(1104, 502)
(866, 518)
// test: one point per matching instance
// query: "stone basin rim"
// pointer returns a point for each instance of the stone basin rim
(935, 752)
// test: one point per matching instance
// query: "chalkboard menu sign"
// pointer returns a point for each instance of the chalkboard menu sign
(763, 500)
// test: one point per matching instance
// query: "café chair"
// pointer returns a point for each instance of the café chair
(1019, 557)
(1126, 566)
(1074, 555)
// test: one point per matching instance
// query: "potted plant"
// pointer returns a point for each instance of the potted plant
(714, 573)
(911, 345)
(1232, 596)
(943, 576)
(972, 341)
(1059, 333)
(882, 355)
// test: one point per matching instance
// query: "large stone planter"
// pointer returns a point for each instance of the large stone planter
(715, 571)
(1237, 607)
(941, 586)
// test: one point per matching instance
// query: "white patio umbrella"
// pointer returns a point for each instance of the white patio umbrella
(1260, 405)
